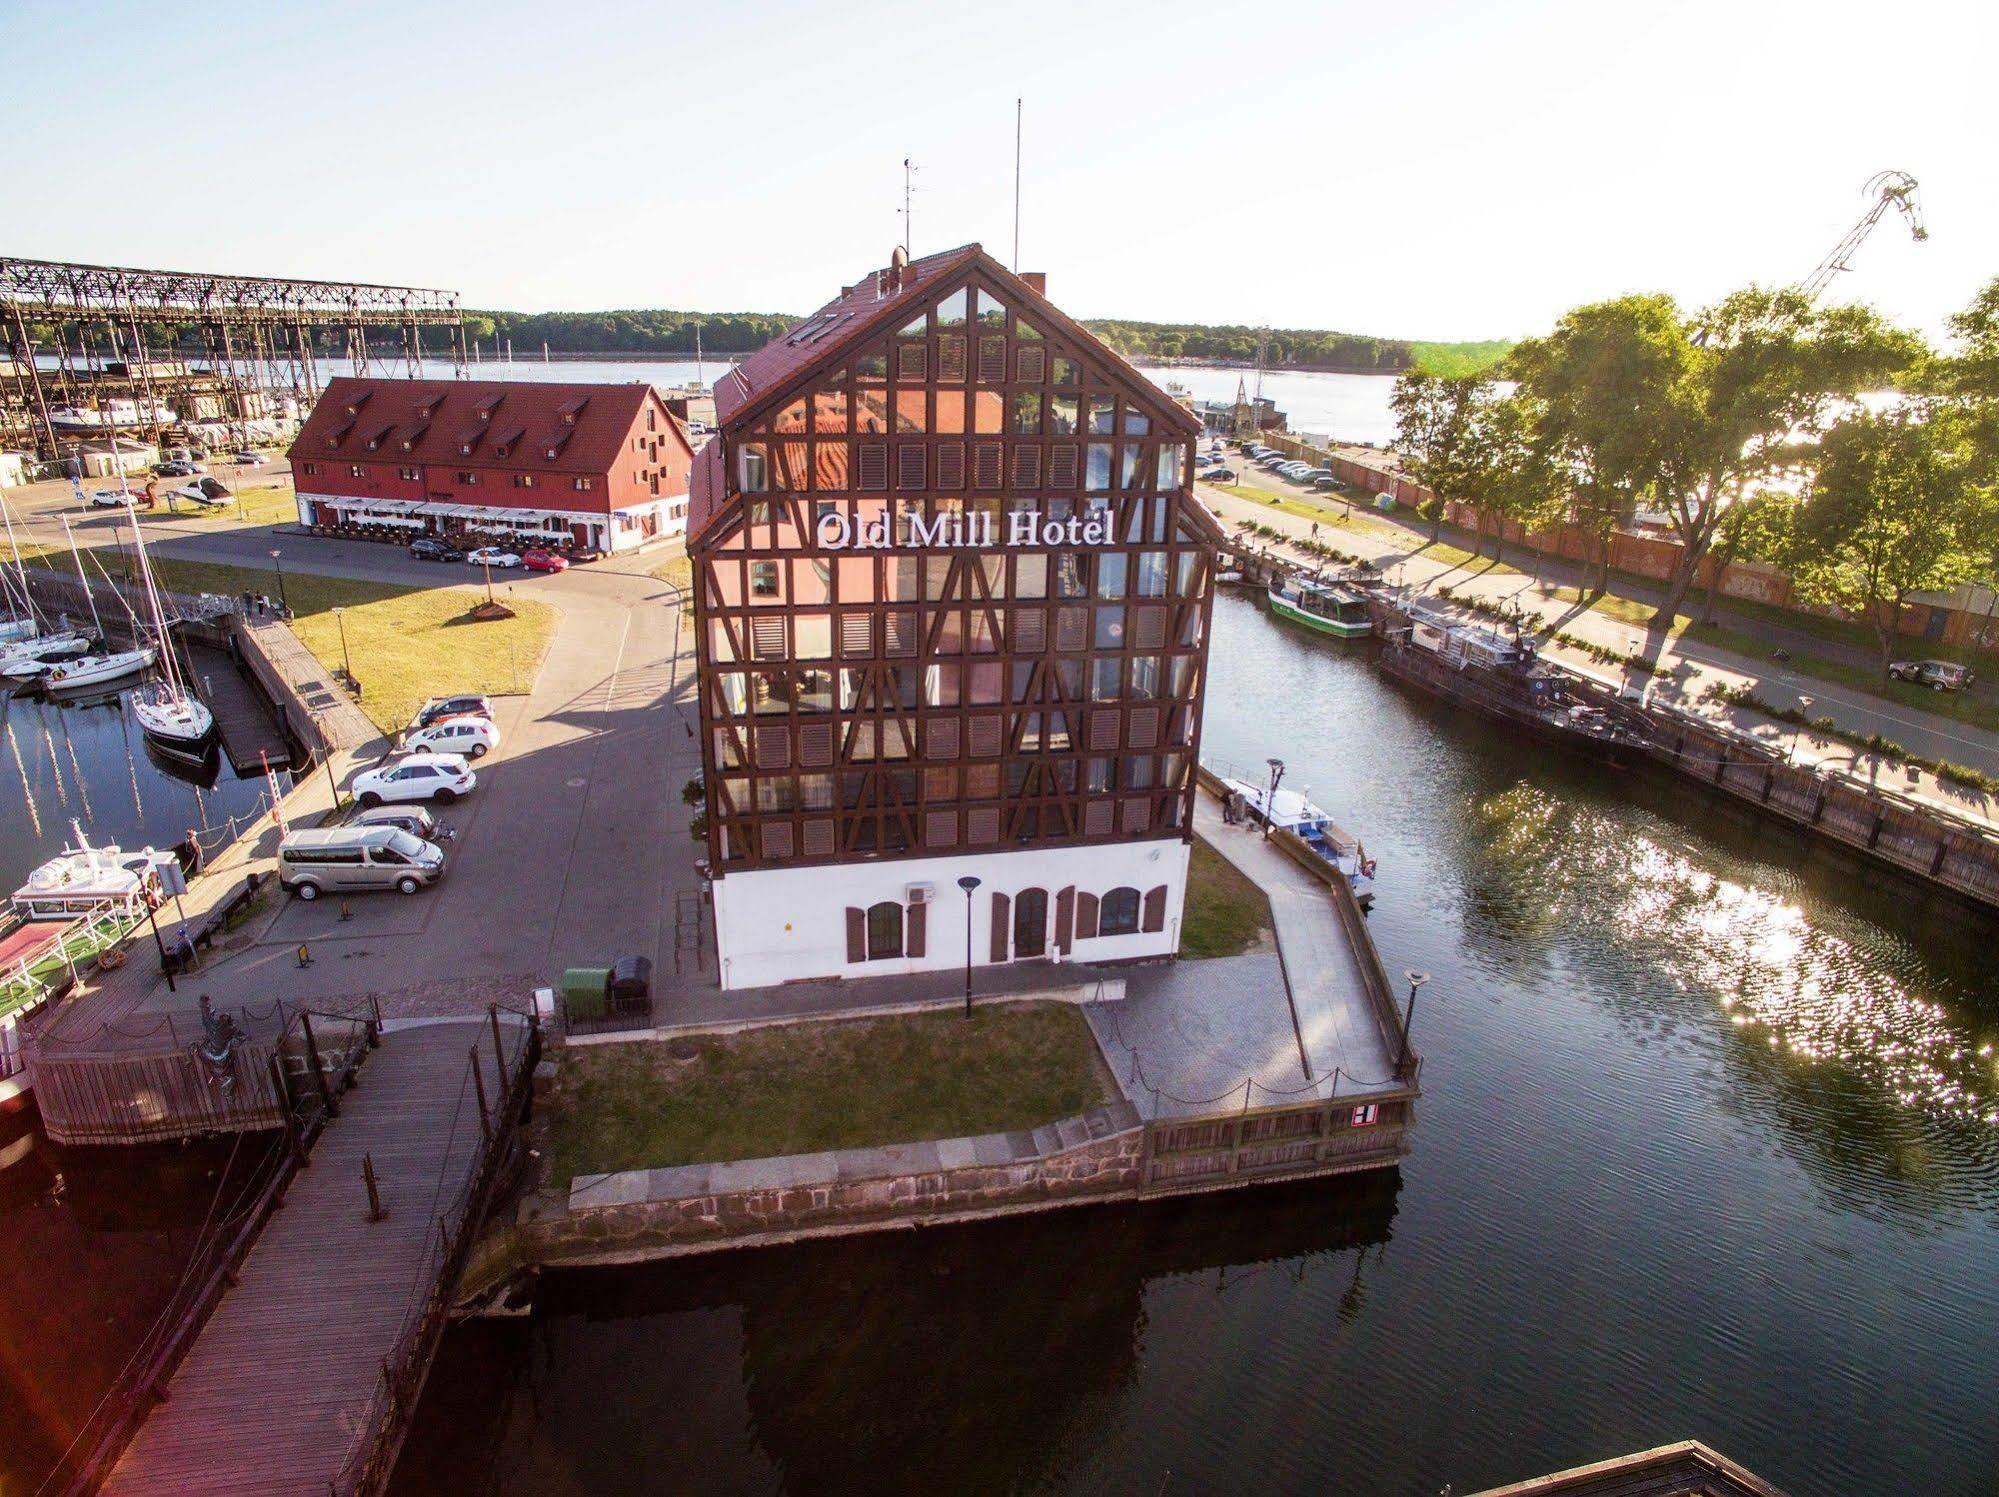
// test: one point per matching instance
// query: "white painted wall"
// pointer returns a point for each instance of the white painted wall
(776, 925)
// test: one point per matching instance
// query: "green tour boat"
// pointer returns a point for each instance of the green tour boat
(1324, 606)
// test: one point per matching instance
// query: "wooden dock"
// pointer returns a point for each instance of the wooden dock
(303, 1379)
(250, 733)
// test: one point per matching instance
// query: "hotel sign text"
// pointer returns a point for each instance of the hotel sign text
(839, 532)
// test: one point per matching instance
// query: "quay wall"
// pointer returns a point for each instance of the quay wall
(1107, 1155)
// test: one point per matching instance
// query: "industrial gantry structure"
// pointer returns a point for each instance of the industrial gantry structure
(67, 324)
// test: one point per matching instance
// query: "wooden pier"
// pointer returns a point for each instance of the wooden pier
(250, 733)
(306, 1374)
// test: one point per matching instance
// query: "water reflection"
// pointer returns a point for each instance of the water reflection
(959, 1359)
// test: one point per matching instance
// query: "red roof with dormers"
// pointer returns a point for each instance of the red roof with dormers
(432, 420)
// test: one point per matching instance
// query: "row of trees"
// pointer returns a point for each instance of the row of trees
(1283, 346)
(645, 330)
(1757, 427)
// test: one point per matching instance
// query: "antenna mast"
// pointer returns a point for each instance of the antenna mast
(908, 173)
(1890, 189)
(1016, 186)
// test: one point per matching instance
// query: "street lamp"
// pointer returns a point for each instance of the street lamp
(968, 883)
(1416, 980)
(1270, 797)
(346, 660)
(284, 605)
(1804, 717)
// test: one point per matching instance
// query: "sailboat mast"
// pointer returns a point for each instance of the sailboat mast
(20, 567)
(89, 593)
(166, 650)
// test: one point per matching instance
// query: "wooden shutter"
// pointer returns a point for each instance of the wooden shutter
(909, 465)
(874, 466)
(1002, 907)
(1086, 916)
(992, 361)
(1032, 365)
(1061, 466)
(951, 358)
(909, 361)
(950, 465)
(1155, 908)
(986, 465)
(857, 934)
(918, 928)
(1065, 918)
(1026, 466)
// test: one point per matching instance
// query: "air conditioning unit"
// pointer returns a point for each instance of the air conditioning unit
(920, 893)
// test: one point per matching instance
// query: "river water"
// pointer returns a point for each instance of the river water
(92, 1241)
(1709, 1148)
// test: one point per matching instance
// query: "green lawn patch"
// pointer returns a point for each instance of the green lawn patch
(405, 643)
(1226, 914)
(836, 1084)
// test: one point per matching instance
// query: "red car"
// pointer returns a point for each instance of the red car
(544, 561)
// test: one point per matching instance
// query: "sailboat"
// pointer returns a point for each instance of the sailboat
(25, 642)
(174, 719)
(96, 670)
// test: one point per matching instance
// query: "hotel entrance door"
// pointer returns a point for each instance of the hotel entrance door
(1030, 924)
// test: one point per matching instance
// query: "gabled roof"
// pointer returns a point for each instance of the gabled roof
(874, 305)
(860, 308)
(530, 412)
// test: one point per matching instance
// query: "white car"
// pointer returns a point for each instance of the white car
(248, 459)
(433, 777)
(470, 737)
(108, 499)
(493, 556)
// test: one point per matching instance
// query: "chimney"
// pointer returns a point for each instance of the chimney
(1037, 281)
(898, 262)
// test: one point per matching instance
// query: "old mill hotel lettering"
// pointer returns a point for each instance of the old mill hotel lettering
(841, 532)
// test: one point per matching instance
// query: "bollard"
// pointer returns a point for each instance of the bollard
(346, 910)
(375, 1211)
(304, 955)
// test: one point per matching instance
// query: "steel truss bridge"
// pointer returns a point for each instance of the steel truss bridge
(256, 329)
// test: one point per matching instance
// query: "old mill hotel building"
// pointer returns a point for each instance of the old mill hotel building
(952, 595)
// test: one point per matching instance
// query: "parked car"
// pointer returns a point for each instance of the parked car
(426, 549)
(109, 499)
(1221, 475)
(1324, 481)
(248, 459)
(433, 777)
(539, 560)
(1938, 675)
(349, 859)
(493, 556)
(471, 737)
(416, 820)
(439, 708)
(209, 493)
(583, 554)
(174, 470)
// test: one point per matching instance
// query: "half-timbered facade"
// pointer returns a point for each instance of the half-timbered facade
(952, 598)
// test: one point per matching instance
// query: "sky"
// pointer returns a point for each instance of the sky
(1419, 170)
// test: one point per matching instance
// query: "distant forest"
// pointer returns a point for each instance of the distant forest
(656, 331)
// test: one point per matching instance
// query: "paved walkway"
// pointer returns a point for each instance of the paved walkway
(276, 1393)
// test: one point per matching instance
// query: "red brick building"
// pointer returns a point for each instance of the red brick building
(509, 461)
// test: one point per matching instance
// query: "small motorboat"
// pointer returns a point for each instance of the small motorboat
(94, 670)
(83, 880)
(1292, 812)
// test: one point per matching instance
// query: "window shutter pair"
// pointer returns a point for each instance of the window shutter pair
(857, 934)
(1155, 908)
(917, 929)
(1002, 907)
(1086, 916)
(1065, 918)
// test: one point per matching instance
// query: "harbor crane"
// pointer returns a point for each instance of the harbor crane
(1885, 190)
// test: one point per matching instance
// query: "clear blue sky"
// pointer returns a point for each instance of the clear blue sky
(1425, 170)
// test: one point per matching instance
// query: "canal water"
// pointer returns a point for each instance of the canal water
(92, 1242)
(1709, 1148)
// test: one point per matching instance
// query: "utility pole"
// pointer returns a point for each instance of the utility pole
(1016, 186)
(908, 187)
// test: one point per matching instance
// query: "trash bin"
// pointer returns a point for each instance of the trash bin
(583, 990)
(629, 987)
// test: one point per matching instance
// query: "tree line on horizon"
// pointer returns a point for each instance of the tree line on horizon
(1824, 440)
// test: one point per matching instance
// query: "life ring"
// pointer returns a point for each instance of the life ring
(111, 959)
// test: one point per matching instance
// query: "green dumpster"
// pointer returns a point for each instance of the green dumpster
(583, 991)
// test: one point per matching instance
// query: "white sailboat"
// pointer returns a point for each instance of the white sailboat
(29, 657)
(97, 670)
(172, 717)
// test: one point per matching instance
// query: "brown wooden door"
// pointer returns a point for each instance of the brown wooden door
(1030, 924)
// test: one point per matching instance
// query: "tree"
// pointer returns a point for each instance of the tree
(1891, 510)
(1434, 436)
(1510, 477)
(1692, 414)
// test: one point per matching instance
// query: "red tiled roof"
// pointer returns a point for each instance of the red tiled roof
(865, 304)
(530, 408)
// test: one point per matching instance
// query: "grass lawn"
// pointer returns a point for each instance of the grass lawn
(406, 643)
(269, 501)
(1226, 914)
(798, 1088)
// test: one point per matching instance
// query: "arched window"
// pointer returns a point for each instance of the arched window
(885, 929)
(1118, 915)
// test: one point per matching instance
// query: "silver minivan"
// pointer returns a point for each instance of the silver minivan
(350, 859)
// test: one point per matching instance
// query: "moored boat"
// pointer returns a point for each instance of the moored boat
(83, 880)
(1291, 811)
(28, 657)
(94, 670)
(1328, 607)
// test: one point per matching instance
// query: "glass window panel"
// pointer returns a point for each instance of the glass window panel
(811, 581)
(1062, 416)
(936, 576)
(951, 310)
(814, 639)
(904, 578)
(1097, 776)
(1026, 413)
(1108, 632)
(988, 412)
(829, 411)
(871, 411)
(994, 567)
(1103, 416)
(940, 784)
(1145, 675)
(1105, 674)
(1067, 373)
(735, 692)
(950, 412)
(872, 367)
(790, 417)
(850, 688)
(1151, 574)
(1129, 474)
(992, 312)
(770, 692)
(910, 410)
(721, 649)
(951, 632)
(764, 581)
(1069, 575)
(988, 681)
(1183, 572)
(1136, 424)
(940, 685)
(857, 579)
(815, 690)
(815, 792)
(1069, 676)
(1171, 457)
(917, 327)
(1024, 329)
(752, 468)
(983, 642)
(1030, 576)
(1111, 568)
(830, 467)
(1097, 471)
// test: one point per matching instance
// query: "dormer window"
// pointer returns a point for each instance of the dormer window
(569, 410)
(359, 399)
(505, 446)
(490, 404)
